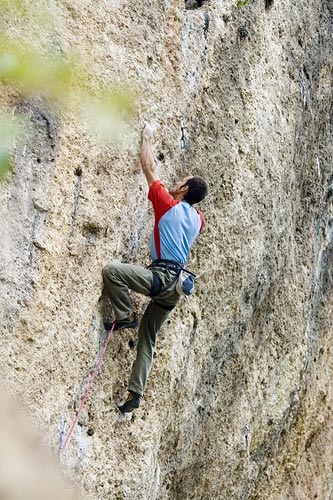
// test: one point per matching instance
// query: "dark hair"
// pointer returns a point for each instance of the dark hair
(197, 190)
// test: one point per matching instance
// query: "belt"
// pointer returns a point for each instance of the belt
(164, 265)
(173, 265)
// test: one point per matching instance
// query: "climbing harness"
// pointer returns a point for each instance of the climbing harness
(184, 278)
(84, 399)
(185, 283)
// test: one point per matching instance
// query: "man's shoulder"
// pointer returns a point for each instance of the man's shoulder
(161, 199)
(188, 212)
(202, 219)
(157, 186)
(159, 194)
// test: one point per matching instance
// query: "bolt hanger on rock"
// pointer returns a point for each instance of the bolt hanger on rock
(182, 133)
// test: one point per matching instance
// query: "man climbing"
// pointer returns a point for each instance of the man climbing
(177, 224)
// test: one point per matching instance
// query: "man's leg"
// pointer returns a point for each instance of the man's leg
(118, 279)
(150, 325)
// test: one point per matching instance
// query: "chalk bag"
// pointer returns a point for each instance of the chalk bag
(186, 283)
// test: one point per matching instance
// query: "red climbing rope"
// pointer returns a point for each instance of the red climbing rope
(91, 381)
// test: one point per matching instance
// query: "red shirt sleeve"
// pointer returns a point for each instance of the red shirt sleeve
(202, 219)
(161, 199)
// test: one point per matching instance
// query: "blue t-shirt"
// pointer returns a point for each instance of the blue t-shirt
(177, 224)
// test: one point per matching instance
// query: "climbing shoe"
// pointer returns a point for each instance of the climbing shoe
(108, 325)
(131, 403)
(130, 322)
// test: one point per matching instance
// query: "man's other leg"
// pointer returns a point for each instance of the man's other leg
(118, 279)
(150, 324)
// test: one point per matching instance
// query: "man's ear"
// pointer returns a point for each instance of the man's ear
(184, 188)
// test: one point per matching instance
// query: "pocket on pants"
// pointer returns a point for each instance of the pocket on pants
(157, 285)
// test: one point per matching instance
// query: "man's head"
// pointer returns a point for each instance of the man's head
(191, 189)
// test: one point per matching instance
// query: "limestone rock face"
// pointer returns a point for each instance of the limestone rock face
(238, 404)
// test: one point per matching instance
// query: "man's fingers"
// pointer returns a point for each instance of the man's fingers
(147, 131)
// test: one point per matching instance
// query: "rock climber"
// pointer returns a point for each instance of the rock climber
(177, 224)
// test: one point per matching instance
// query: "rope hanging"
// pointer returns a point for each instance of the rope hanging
(91, 381)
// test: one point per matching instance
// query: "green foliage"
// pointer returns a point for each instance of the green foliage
(10, 128)
(5, 164)
(30, 72)
(241, 3)
(29, 68)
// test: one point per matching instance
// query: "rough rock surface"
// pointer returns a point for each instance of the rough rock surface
(239, 401)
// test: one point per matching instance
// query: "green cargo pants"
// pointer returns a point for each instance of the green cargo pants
(118, 279)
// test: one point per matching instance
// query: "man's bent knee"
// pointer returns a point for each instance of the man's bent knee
(109, 270)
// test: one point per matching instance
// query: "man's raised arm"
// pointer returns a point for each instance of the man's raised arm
(147, 159)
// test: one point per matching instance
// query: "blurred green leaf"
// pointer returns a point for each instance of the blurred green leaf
(33, 72)
(63, 80)
(241, 3)
(10, 130)
(23, 10)
(107, 113)
(5, 164)
(10, 5)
